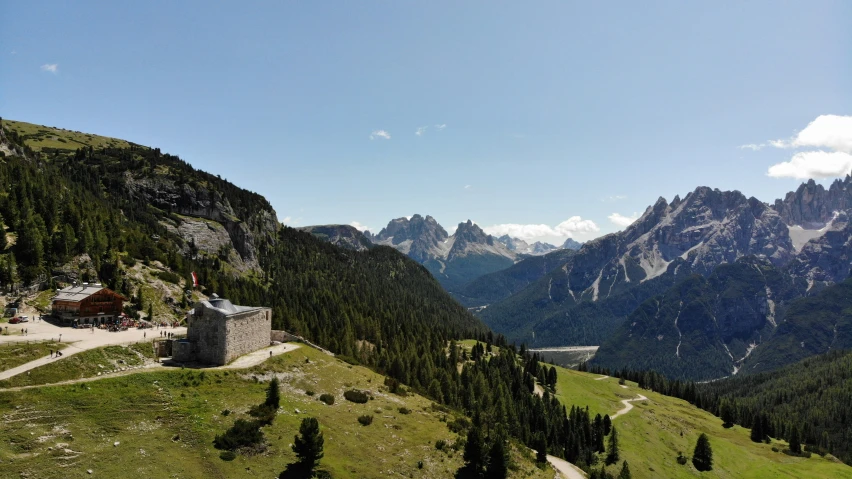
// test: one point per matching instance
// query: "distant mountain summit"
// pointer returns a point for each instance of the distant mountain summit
(454, 260)
(520, 246)
(571, 244)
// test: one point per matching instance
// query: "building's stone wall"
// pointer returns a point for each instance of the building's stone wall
(216, 338)
(246, 332)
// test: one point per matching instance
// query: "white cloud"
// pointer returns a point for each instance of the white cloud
(286, 220)
(441, 126)
(614, 198)
(380, 134)
(813, 164)
(752, 147)
(574, 225)
(421, 130)
(619, 219)
(467, 187)
(50, 67)
(358, 226)
(828, 132)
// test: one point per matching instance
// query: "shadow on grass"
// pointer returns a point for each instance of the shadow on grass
(298, 471)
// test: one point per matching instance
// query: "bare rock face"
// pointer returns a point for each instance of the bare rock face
(703, 230)
(811, 206)
(245, 234)
(420, 238)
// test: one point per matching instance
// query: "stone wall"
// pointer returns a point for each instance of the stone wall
(246, 332)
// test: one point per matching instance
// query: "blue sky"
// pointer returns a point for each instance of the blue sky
(549, 116)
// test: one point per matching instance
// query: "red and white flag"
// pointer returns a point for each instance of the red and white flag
(194, 279)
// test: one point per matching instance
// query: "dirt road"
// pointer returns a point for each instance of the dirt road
(565, 468)
(627, 406)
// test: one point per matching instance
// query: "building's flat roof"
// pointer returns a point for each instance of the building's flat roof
(226, 307)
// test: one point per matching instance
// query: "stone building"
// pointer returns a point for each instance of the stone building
(219, 332)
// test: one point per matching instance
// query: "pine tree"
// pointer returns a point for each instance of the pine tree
(474, 450)
(273, 395)
(540, 446)
(757, 429)
(612, 447)
(625, 471)
(308, 444)
(727, 412)
(702, 457)
(795, 444)
(607, 423)
(498, 460)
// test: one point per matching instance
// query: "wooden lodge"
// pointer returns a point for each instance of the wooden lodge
(87, 304)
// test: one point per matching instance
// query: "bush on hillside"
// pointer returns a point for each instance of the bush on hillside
(327, 398)
(242, 434)
(366, 419)
(356, 396)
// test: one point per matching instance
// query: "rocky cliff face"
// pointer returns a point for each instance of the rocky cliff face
(705, 229)
(420, 238)
(245, 235)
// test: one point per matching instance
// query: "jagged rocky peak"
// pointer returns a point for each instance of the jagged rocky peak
(470, 232)
(570, 243)
(403, 229)
(519, 246)
(811, 206)
(514, 244)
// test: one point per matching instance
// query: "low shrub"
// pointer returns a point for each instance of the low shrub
(681, 459)
(404, 410)
(459, 425)
(264, 413)
(242, 434)
(366, 419)
(226, 412)
(227, 455)
(440, 444)
(310, 392)
(327, 398)
(356, 396)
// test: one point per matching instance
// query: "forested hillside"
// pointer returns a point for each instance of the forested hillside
(705, 328)
(812, 325)
(375, 307)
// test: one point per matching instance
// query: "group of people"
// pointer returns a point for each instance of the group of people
(166, 334)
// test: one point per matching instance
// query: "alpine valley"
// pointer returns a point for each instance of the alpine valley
(428, 334)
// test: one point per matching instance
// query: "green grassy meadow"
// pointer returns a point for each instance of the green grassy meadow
(81, 365)
(164, 423)
(652, 434)
(14, 354)
(38, 137)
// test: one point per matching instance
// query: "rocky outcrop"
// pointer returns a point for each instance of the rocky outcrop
(420, 238)
(165, 193)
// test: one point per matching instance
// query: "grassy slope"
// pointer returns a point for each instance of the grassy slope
(82, 365)
(38, 137)
(165, 423)
(14, 354)
(650, 436)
